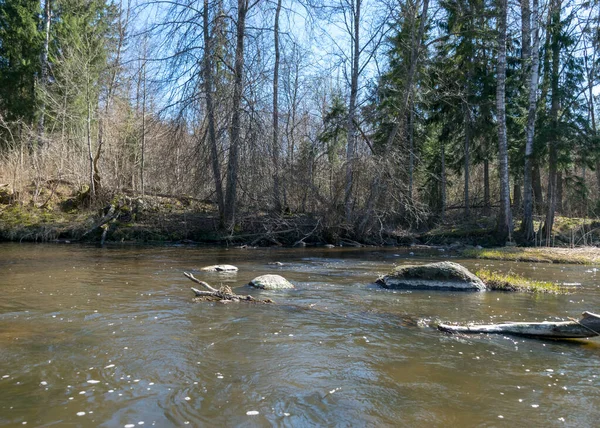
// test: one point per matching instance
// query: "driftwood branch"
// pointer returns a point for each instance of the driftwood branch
(223, 294)
(202, 283)
(587, 326)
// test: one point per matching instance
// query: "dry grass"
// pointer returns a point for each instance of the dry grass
(581, 256)
(513, 282)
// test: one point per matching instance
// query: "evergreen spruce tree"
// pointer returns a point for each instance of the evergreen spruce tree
(20, 49)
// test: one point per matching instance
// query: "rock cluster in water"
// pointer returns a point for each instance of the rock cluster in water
(441, 276)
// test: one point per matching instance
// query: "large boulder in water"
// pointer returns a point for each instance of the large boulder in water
(271, 282)
(440, 276)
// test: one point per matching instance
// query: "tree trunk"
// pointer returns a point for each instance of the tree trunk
(235, 132)
(517, 195)
(88, 134)
(44, 73)
(466, 166)
(467, 156)
(411, 151)
(408, 87)
(591, 72)
(443, 184)
(538, 195)
(504, 227)
(207, 71)
(555, 106)
(351, 129)
(276, 185)
(528, 188)
(559, 192)
(143, 146)
(486, 186)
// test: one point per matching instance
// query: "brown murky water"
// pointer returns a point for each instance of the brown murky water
(110, 337)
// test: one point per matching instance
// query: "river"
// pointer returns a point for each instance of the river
(110, 337)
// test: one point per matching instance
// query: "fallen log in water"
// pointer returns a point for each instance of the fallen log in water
(223, 294)
(587, 326)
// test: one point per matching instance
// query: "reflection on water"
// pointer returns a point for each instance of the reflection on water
(109, 337)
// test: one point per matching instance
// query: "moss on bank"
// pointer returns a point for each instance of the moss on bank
(513, 282)
(582, 256)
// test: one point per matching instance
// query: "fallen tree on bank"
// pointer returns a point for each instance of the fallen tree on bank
(587, 326)
(223, 294)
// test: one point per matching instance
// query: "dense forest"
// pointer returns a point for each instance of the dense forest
(365, 115)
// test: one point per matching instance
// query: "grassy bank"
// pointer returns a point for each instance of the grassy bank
(582, 256)
(513, 282)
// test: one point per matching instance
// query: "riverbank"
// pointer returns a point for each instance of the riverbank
(58, 211)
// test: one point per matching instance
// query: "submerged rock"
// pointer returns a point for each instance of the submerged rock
(271, 282)
(441, 276)
(220, 268)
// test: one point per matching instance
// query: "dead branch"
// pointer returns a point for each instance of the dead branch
(223, 294)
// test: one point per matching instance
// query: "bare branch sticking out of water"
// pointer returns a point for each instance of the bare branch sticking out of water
(223, 294)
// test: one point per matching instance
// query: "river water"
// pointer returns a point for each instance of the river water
(110, 337)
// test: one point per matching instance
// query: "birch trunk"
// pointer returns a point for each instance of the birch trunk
(504, 227)
(527, 224)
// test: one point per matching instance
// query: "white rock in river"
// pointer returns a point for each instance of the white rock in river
(271, 282)
(220, 268)
(441, 276)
